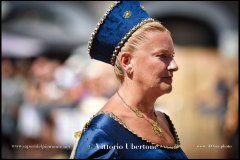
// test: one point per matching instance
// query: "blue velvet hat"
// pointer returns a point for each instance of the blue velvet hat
(117, 25)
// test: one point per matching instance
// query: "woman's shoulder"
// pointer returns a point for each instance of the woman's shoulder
(101, 122)
(98, 121)
(94, 139)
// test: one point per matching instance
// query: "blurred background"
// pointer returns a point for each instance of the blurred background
(50, 86)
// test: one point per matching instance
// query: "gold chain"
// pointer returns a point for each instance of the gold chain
(155, 127)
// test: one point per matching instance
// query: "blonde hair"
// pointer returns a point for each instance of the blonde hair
(133, 42)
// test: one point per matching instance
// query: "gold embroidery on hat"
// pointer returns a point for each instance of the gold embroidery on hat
(127, 14)
(142, 7)
(123, 40)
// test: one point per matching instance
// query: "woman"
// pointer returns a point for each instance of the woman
(141, 51)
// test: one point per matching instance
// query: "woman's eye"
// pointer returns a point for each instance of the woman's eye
(166, 57)
(163, 56)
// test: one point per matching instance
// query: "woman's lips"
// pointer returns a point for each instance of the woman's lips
(168, 79)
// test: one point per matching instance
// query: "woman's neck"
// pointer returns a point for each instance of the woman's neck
(138, 98)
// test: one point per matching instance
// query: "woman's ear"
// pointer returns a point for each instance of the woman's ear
(125, 59)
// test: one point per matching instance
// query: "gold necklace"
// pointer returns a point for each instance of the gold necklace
(155, 127)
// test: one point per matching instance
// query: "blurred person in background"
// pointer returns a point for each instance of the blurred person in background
(128, 126)
(41, 96)
(12, 89)
(230, 123)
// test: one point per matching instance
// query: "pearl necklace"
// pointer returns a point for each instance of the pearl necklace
(155, 127)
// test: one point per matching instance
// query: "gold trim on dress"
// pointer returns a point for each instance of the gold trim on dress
(177, 141)
(176, 146)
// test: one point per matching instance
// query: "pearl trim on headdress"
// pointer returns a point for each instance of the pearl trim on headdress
(126, 37)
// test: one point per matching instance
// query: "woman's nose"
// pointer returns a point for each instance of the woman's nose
(172, 66)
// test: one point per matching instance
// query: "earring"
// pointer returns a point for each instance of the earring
(130, 70)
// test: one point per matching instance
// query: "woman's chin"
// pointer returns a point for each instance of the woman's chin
(166, 89)
(163, 90)
(169, 90)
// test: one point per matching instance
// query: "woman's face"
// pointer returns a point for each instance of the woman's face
(153, 63)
